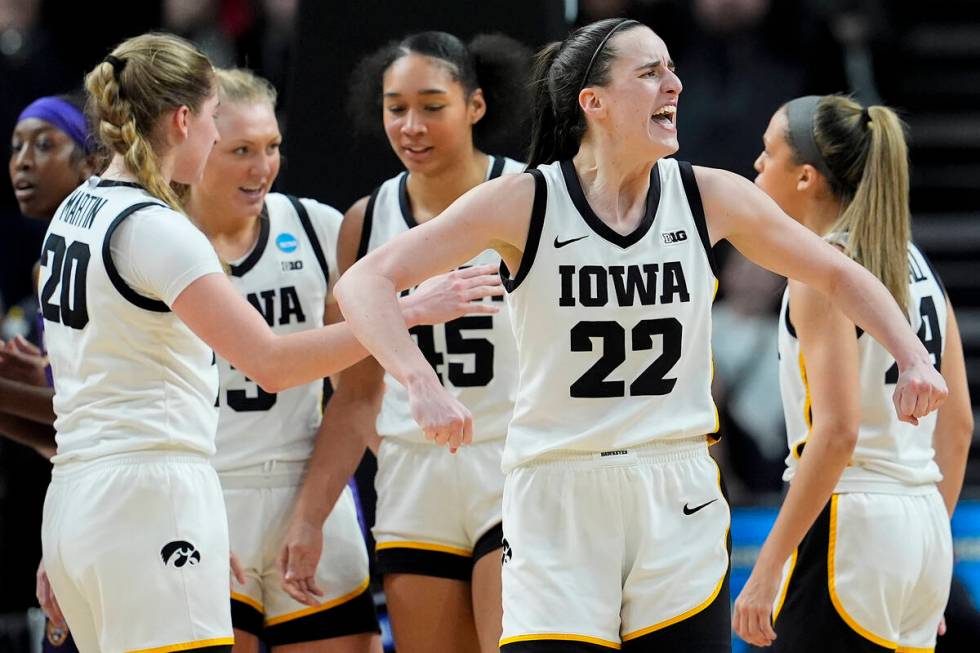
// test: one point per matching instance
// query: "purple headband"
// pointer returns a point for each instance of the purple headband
(63, 115)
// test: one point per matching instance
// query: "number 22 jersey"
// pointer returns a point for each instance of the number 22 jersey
(474, 356)
(613, 331)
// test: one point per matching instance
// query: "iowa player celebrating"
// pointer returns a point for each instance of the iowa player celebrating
(281, 256)
(860, 557)
(134, 299)
(615, 520)
(440, 101)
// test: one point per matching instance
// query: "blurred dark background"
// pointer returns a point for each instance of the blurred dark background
(739, 61)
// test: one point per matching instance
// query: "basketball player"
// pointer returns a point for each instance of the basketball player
(862, 544)
(134, 299)
(614, 519)
(282, 256)
(439, 101)
(50, 155)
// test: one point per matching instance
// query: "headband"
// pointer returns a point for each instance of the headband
(602, 44)
(800, 114)
(63, 115)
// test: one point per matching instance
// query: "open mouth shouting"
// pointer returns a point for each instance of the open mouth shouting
(665, 116)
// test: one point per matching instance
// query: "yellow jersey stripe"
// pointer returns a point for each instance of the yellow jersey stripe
(785, 589)
(319, 608)
(562, 637)
(247, 600)
(186, 646)
(848, 619)
(425, 546)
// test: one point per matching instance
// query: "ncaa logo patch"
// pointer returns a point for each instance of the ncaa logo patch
(286, 242)
(179, 553)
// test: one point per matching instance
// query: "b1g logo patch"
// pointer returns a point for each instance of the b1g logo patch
(674, 237)
(180, 553)
(286, 242)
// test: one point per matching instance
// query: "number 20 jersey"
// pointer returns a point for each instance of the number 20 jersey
(890, 454)
(474, 356)
(613, 331)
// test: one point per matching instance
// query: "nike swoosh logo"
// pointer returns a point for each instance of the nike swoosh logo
(691, 511)
(562, 243)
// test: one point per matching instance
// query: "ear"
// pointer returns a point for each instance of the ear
(180, 123)
(478, 106)
(807, 178)
(590, 101)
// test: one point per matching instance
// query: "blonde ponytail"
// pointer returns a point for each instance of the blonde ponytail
(151, 74)
(866, 153)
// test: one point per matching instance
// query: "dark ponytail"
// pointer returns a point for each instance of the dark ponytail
(561, 70)
(492, 62)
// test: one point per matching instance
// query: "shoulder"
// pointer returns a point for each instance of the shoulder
(351, 229)
(715, 183)
(512, 166)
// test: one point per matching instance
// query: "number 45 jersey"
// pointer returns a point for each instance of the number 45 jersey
(890, 456)
(613, 330)
(474, 356)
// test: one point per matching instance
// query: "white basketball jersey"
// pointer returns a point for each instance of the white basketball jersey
(613, 331)
(288, 278)
(889, 453)
(128, 374)
(474, 356)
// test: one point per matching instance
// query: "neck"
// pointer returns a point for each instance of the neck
(615, 186)
(217, 223)
(820, 214)
(432, 194)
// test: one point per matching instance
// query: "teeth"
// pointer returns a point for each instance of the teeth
(665, 111)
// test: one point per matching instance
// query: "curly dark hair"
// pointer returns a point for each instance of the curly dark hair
(494, 63)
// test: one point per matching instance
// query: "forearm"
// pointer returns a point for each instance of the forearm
(951, 456)
(27, 432)
(369, 305)
(824, 459)
(867, 303)
(26, 401)
(339, 447)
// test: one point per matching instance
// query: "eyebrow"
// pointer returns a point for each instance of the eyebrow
(656, 64)
(424, 91)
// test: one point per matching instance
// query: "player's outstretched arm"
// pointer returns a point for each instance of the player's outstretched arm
(494, 215)
(830, 350)
(739, 212)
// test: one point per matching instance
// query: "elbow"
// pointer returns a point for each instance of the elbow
(841, 437)
(268, 376)
(341, 290)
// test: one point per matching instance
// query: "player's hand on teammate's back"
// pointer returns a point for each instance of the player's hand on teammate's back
(46, 598)
(22, 361)
(442, 418)
(752, 618)
(454, 294)
(919, 391)
(298, 559)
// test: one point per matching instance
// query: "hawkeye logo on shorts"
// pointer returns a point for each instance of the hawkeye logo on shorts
(508, 554)
(179, 553)
(674, 237)
(286, 242)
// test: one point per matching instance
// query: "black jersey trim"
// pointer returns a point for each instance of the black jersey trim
(603, 230)
(253, 257)
(935, 275)
(697, 210)
(788, 322)
(366, 224)
(497, 168)
(130, 295)
(304, 218)
(534, 229)
(405, 203)
(115, 183)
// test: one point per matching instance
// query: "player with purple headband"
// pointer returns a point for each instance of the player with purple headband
(50, 155)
